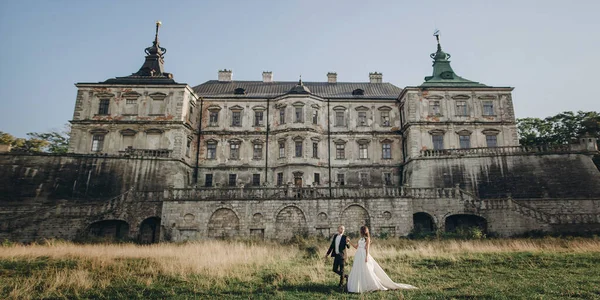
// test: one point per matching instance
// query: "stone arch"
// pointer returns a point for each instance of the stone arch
(423, 222)
(150, 231)
(290, 221)
(465, 221)
(223, 223)
(353, 217)
(109, 229)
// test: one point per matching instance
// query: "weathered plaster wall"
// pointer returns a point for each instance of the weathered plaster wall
(558, 176)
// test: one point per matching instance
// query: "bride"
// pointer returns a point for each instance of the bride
(366, 275)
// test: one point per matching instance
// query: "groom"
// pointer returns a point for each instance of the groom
(339, 243)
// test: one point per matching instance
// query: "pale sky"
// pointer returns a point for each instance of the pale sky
(548, 50)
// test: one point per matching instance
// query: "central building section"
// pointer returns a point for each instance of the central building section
(270, 133)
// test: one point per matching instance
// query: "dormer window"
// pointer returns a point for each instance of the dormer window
(358, 92)
(239, 91)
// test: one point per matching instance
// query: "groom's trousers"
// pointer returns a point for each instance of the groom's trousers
(338, 265)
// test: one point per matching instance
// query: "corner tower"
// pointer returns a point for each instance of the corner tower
(448, 111)
(145, 114)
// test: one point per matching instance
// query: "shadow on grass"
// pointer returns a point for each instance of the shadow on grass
(313, 287)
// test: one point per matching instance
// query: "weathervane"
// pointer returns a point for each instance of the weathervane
(436, 33)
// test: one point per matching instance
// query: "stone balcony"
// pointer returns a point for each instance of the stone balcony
(133, 152)
(509, 150)
(311, 193)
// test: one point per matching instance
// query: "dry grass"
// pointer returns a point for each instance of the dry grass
(58, 269)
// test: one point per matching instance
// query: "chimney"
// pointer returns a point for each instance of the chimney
(267, 76)
(331, 77)
(225, 75)
(375, 77)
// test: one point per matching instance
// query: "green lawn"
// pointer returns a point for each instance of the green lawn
(566, 273)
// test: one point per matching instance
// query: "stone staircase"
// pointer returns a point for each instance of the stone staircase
(474, 204)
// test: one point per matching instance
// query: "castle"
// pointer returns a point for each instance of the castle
(152, 159)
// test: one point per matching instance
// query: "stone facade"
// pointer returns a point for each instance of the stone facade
(152, 159)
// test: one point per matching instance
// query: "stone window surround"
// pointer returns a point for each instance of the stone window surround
(98, 132)
(365, 110)
(237, 109)
(155, 98)
(342, 143)
(259, 109)
(342, 110)
(365, 143)
(298, 106)
(255, 143)
(383, 143)
(383, 109)
(208, 143)
(239, 146)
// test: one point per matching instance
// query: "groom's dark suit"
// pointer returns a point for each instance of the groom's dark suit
(339, 256)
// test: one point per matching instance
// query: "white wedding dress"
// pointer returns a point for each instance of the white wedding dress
(369, 276)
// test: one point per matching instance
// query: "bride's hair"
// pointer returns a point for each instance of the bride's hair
(364, 231)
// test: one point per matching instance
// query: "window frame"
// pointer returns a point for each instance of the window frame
(491, 107)
(230, 182)
(234, 150)
(211, 148)
(98, 142)
(281, 149)
(280, 179)
(298, 149)
(386, 150)
(340, 151)
(257, 148)
(256, 179)
(207, 181)
(104, 107)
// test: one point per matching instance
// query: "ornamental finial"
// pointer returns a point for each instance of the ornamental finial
(158, 23)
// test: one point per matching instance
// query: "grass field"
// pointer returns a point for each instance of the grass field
(547, 268)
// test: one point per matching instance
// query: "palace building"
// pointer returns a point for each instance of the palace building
(153, 159)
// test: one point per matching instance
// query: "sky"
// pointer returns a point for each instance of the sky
(547, 50)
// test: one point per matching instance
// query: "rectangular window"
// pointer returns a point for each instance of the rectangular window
(340, 151)
(315, 150)
(298, 149)
(315, 117)
(281, 149)
(488, 108)
(491, 140)
(190, 116)
(363, 152)
(208, 180)
(339, 118)
(97, 142)
(465, 141)
(341, 179)
(298, 117)
(435, 108)
(438, 142)
(257, 154)
(211, 152)
(362, 118)
(103, 108)
(461, 108)
(232, 179)
(255, 179)
(258, 118)
(234, 152)
(364, 178)
(385, 118)
(282, 115)
(386, 151)
(188, 147)
(279, 179)
(387, 178)
(317, 180)
(213, 118)
(236, 118)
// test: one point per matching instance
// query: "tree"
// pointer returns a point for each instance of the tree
(55, 141)
(562, 128)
